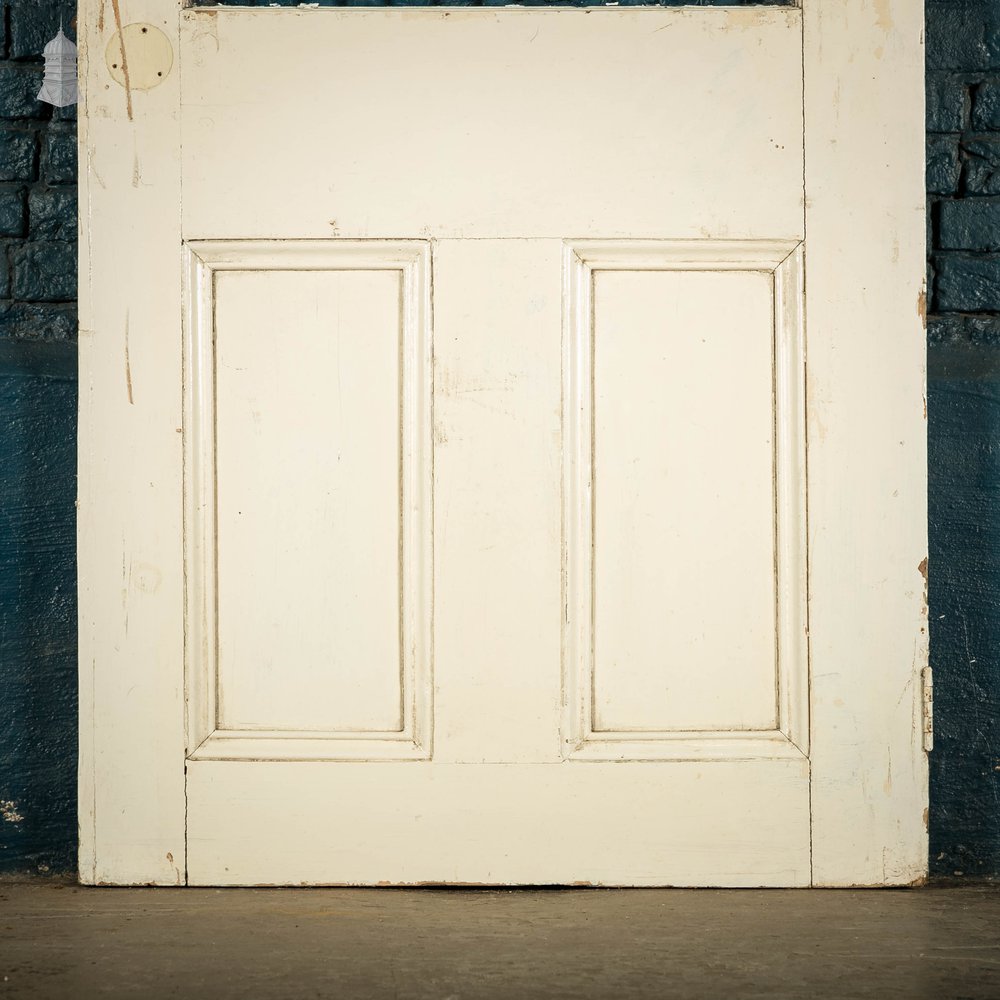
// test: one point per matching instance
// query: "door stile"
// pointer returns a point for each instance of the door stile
(131, 586)
(863, 66)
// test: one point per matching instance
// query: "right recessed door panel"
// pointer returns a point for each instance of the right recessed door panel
(684, 515)
(684, 542)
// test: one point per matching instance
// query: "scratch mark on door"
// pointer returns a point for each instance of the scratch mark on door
(128, 363)
(121, 41)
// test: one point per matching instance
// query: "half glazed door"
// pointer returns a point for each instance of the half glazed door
(502, 445)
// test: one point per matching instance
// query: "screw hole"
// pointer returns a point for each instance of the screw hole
(144, 30)
(114, 65)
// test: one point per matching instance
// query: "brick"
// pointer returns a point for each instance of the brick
(968, 284)
(38, 321)
(970, 224)
(12, 212)
(963, 35)
(19, 86)
(943, 166)
(60, 157)
(52, 214)
(33, 24)
(44, 272)
(984, 330)
(986, 107)
(944, 330)
(65, 114)
(946, 103)
(979, 331)
(18, 155)
(982, 166)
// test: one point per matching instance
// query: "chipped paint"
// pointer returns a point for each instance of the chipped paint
(205, 29)
(147, 578)
(9, 811)
(124, 57)
(883, 14)
(128, 363)
(757, 14)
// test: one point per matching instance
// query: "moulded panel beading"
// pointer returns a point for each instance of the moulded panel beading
(207, 739)
(783, 261)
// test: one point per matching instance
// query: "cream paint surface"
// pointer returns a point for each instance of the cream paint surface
(303, 361)
(132, 784)
(145, 51)
(497, 315)
(739, 823)
(309, 603)
(593, 540)
(507, 186)
(684, 585)
(494, 123)
(868, 439)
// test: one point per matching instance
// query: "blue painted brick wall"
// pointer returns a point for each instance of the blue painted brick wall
(963, 192)
(37, 184)
(963, 164)
(38, 232)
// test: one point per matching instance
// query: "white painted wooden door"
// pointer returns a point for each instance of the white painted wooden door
(448, 379)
